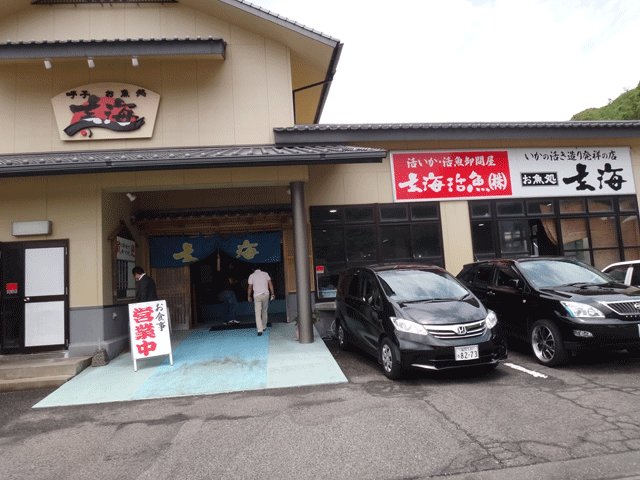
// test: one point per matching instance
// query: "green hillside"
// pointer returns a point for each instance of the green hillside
(625, 107)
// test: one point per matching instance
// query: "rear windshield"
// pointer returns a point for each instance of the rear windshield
(619, 273)
(549, 273)
(420, 285)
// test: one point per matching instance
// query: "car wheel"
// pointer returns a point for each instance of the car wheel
(546, 343)
(390, 362)
(342, 335)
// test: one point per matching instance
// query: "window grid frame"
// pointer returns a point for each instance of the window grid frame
(557, 216)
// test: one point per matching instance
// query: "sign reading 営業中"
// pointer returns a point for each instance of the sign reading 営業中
(149, 330)
(517, 172)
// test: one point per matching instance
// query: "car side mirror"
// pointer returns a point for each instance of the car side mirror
(516, 283)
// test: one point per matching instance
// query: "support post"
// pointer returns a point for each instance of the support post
(301, 259)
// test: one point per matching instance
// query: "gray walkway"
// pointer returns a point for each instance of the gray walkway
(206, 363)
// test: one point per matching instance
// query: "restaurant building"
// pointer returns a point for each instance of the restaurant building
(185, 137)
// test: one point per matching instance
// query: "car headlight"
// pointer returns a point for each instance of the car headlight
(576, 309)
(408, 326)
(491, 320)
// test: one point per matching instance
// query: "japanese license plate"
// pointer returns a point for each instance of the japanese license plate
(467, 353)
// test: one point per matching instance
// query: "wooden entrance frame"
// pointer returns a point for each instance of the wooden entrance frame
(224, 225)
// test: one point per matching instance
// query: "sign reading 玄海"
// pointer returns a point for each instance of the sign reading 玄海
(519, 172)
(101, 111)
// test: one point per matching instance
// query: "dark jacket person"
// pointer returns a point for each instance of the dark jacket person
(145, 287)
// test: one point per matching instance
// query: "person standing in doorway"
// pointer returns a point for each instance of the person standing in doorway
(145, 287)
(230, 300)
(262, 288)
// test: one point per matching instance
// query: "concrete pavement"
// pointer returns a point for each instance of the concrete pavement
(581, 422)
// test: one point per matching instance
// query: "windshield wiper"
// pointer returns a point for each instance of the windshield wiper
(430, 300)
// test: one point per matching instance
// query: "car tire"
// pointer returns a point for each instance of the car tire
(546, 343)
(341, 334)
(391, 365)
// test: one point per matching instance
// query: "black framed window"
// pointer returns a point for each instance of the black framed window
(327, 215)
(595, 230)
(328, 245)
(424, 211)
(359, 214)
(352, 235)
(482, 239)
(395, 242)
(361, 244)
(393, 213)
(426, 242)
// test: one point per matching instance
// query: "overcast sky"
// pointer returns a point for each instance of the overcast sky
(422, 61)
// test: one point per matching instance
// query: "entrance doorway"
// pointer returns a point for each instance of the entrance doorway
(34, 296)
(210, 275)
(192, 290)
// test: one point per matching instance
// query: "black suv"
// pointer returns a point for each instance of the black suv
(558, 305)
(416, 316)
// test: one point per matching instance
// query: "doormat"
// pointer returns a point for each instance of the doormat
(234, 326)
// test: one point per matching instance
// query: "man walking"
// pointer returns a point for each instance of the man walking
(260, 285)
(145, 287)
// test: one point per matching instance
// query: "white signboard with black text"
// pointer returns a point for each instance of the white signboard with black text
(126, 252)
(511, 172)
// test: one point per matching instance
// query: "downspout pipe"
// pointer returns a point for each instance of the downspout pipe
(326, 84)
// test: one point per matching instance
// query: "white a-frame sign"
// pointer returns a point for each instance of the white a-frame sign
(149, 330)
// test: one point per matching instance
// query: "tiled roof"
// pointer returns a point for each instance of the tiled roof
(461, 125)
(343, 133)
(29, 164)
(274, 17)
(197, 213)
(112, 48)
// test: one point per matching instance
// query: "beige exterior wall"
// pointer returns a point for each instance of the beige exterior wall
(238, 100)
(72, 204)
(87, 209)
(203, 102)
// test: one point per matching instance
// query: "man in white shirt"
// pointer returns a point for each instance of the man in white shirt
(260, 285)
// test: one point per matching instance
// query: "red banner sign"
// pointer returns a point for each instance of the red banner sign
(438, 175)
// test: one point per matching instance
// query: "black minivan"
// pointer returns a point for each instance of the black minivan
(557, 304)
(416, 316)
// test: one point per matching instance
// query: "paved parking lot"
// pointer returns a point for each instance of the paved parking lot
(522, 421)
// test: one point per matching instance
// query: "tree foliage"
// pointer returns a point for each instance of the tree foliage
(625, 107)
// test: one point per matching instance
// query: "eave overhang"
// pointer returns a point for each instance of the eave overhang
(105, 161)
(358, 133)
(73, 49)
(320, 49)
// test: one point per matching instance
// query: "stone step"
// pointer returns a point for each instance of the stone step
(34, 383)
(22, 372)
(67, 366)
